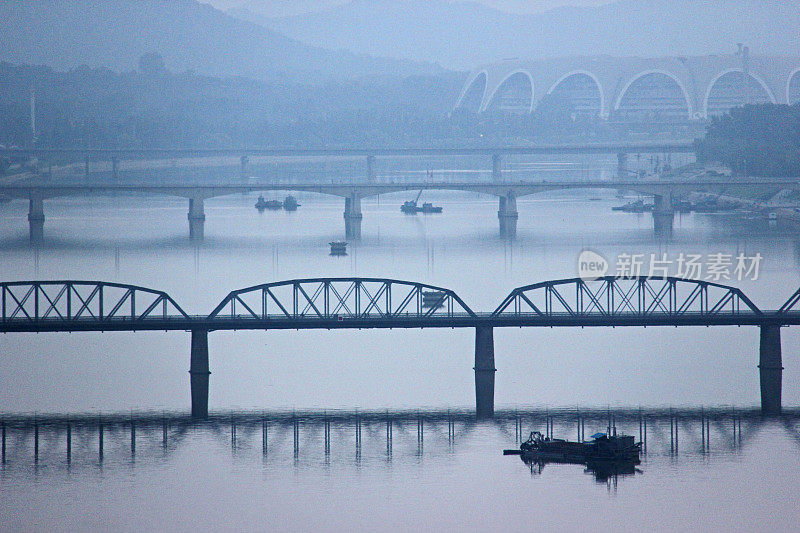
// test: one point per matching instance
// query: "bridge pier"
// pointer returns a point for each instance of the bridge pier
(86, 167)
(507, 215)
(370, 168)
(36, 218)
(622, 165)
(484, 372)
(199, 373)
(197, 219)
(770, 366)
(115, 168)
(352, 216)
(497, 168)
(663, 215)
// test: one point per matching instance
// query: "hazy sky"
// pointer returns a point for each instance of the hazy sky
(291, 7)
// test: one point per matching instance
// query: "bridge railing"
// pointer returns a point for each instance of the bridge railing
(340, 299)
(71, 301)
(635, 296)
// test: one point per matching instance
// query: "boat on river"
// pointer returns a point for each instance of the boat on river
(602, 447)
(263, 204)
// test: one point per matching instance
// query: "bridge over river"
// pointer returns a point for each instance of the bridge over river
(369, 303)
(497, 182)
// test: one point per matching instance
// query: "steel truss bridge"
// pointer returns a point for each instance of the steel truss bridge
(369, 303)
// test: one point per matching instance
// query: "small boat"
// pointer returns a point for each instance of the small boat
(428, 207)
(602, 447)
(338, 248)
(409, 207)
(637, 206)
(290, 203)
(263, 204)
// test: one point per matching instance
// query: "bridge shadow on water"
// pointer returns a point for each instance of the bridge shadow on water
(362, 438)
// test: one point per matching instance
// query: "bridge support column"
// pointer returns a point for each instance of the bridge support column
(507, 215)
(663, 215)
(36, 218)
(243, 161)
(770, 368)
(622, 165)
(352, 216)
(199, 373)
(197, 219)
(484, 372)
(370, 168)
(115, 168)
(497, 168)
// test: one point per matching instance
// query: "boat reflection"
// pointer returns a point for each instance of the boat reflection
(602, 470)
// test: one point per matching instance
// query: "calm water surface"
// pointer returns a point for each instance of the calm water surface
(204, 482)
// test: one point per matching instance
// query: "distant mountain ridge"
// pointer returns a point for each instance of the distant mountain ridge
(64, 34)
(461, 35)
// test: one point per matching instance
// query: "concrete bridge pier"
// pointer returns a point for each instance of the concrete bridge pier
(36, 218)
(243, 170)
(86, 167)
(770, 366)
(199, 373)
(497, 168)
(622, 165)
(115, 168)
(197, 218)
(352, 216)
(507, 215)
(370, 168)
(663, 215)
(484, 372)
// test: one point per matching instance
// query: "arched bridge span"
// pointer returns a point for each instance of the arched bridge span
(340, 299)
(642, 299)
(72, 305)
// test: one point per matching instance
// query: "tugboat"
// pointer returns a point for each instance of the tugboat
(338, 248)
(263, 204)
(290, 203)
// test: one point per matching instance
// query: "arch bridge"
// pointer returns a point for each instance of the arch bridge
(634, 89)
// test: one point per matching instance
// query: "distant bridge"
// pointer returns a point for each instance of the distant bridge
(629, 89)
(110, 182)
(365, 303)
(663, 190)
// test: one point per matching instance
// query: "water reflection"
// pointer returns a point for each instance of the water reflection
(389, 435)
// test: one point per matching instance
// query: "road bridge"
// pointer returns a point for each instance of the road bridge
(378, 303)
(41, 187)
(665, 192)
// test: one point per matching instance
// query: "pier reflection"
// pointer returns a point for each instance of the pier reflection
(388, 436)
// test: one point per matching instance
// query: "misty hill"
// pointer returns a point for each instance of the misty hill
(463, 34)
(189, 35)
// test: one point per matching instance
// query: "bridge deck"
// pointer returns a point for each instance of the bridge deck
(457, 320)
